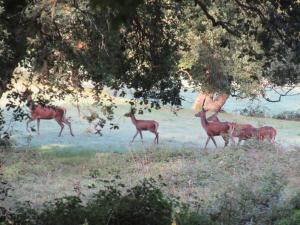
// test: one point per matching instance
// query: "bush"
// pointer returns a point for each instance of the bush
(142, 204)
(256, 201)
(145, 204)
(292, 219)
(254, 111)
(5, 141)
(288, 115)
(188, 217)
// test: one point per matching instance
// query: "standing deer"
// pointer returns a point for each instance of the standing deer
(39, 112)
(268, 133)
(213, 128)
(242, 132)
(142, 125)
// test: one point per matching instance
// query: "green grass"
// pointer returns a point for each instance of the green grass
(39, 175)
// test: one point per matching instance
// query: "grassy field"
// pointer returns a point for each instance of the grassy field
(198, 178)
(245, 178)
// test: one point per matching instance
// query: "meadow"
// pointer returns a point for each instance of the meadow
(256, 178)
(212, 182)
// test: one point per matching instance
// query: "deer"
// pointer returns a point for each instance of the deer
(40, 112)
(213, 118)
(213, 128)
(268, 133)
(143, 125)
(242, 132)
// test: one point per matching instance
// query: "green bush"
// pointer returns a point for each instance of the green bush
(252, 201)
(189, 217)
(256, 201)
(292, 219)
(5, 135)
(142, 204)
(288, 115)
(254, 110)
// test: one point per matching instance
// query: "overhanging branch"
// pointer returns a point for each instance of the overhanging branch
(280, 95)
(215, 22)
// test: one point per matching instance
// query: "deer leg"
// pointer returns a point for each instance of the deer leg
(38, 126)
(232, 140)
(226, 142)
(27, 124)
(141, 136)
(239, 141)
(212, 138)
(66, 121)
(134, 136)
(226, 139)
(61, 124)
(208, 138)
(156, 136)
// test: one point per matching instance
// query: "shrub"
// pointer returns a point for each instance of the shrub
(5, 141)
(292, 219)
(254, 111)
(254, 201)
(142, 204)
(188, 217)
(288, 115)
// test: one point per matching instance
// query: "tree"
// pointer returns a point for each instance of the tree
(12, 40)
(234, 47)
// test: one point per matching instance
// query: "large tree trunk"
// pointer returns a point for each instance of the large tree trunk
(16, 41)
(211, 103)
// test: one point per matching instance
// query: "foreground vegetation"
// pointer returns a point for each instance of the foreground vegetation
(251, 184)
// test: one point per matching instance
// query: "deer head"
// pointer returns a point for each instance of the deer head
(26, 95)
(130, 113)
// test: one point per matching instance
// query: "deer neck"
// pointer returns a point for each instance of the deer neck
(30, 103)
(133, 119)
(204, 122)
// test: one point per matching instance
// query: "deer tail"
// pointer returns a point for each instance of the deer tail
(65, 118)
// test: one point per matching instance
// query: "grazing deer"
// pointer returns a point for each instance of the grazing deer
(268, 133)
(39, 112)
(242, 132)
(213, 128)
(142, 125)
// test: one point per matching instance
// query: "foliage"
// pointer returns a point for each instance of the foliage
(254, 110)
(4, 134)
(288, 115)
(145, 204)
(5, 189)
(142, 204)
(236, 46)
(292, 219)
(147, 47)
(186, 216)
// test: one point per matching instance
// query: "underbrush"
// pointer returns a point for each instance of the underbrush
(251, 184)
(254, 110)
(145, 203)
(288, 115)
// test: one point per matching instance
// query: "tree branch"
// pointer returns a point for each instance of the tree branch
(263, 19)
(214, 21)
(280, 95)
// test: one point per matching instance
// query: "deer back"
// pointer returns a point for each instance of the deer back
(47, 112)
